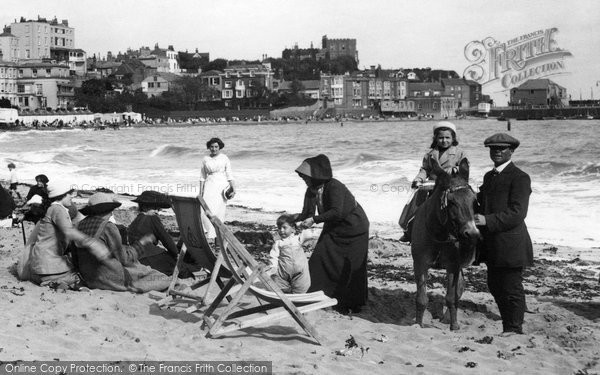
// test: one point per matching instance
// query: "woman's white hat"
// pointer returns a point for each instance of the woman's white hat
(56, 188)
(444, 124)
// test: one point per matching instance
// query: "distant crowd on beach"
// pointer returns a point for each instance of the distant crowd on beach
(73, 248)
(74, 123)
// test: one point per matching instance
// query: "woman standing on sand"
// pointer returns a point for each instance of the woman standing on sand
(216, 183)
(338, 265)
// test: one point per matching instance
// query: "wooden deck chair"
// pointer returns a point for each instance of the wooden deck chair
(245, 270)
(187, 214)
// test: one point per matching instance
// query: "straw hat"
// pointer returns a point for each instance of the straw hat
(100, 203)
(58, 188)
(227, 193)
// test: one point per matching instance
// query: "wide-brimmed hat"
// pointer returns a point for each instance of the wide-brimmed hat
(444, 124)
(100, 203)
(153, 199)
(42, 178)
(57, 188)
(502, 140)
(317, 167)
(11, 165)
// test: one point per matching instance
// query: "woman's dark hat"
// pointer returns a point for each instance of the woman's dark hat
(153, 199)
(317, 167)
(42, 178)
(501, 140)
(100, 204)
(227, 193)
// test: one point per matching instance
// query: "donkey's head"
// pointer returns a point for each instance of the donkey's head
(457, 202)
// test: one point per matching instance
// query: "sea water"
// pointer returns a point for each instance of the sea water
(376, 160)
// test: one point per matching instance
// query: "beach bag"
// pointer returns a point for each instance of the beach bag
(24, 262)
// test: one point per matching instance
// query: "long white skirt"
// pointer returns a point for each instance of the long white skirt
(213, 196)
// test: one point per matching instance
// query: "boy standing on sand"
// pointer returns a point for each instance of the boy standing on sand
(14, 180)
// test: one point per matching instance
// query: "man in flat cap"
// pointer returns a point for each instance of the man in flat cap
(506, 249)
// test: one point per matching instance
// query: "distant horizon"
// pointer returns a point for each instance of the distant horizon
(429, 33)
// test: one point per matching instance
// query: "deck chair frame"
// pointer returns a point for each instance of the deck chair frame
(187, 213)
(245, 270)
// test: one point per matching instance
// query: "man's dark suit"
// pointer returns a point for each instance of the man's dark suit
(506, 249)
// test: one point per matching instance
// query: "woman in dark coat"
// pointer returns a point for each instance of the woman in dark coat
(37, 209)
(338, 265)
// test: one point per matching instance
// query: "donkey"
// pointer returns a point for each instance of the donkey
(444, 230)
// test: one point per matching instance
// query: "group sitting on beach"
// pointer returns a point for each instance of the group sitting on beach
(68, 252)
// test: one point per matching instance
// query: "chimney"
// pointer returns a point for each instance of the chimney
(65, 22)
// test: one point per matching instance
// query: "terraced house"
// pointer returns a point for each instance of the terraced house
(241, 85)
(43, 85)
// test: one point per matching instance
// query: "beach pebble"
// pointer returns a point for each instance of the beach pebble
(383, 338)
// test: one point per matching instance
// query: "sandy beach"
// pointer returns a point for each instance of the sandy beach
(562, 329)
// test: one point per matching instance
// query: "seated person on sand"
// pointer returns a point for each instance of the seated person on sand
(288, 261)
(7, 206)
(161, 258)
(49, 264)
(122, 271)
(37, 199)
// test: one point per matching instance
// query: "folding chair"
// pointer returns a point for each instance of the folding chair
(245, 270)
(187, 213)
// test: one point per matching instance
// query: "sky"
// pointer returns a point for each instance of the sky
(390, 33)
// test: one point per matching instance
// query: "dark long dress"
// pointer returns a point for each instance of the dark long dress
(161, 259)
(338, 265)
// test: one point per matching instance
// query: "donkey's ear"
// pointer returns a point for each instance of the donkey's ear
(463, 169)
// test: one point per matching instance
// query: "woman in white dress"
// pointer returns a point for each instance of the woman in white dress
(215, 177)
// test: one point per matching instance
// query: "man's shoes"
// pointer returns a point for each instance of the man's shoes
(405, 237)
(511, 332)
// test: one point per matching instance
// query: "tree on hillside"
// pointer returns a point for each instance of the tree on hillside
(216, 64)
(188, 90)
(92, 94)
(342, 65)
(5, 103)
(296, 86)
(243, 62)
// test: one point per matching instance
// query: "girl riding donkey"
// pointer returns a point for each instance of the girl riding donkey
(444, 155)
